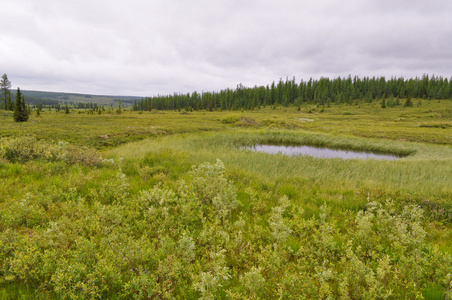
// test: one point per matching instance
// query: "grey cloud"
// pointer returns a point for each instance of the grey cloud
(150, 47)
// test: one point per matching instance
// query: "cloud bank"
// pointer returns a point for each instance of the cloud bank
(147, 48)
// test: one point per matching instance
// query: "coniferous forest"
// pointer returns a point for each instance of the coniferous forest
(323, 91)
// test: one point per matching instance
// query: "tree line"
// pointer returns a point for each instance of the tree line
(288, 92)
(323, 91)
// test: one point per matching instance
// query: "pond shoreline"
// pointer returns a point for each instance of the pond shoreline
(320, 152)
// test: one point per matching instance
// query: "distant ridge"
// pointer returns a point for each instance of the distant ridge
(44, 97)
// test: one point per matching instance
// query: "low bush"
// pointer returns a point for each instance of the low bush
(232, 119)
(193, 240)
(23, 149)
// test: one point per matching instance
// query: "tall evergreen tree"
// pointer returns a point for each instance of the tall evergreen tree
(9, 103)
(20, 110)
(5, 85)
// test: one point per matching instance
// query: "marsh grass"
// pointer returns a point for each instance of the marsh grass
(422, 177)
(425, 171)
(23, 292)
(107, 130)
(430, 123)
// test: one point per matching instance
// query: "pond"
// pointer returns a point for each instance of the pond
(320, 152)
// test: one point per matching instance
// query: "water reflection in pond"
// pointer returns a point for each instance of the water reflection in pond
(319, 152)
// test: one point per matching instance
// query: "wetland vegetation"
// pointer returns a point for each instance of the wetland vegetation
(169, 204)
(292, 150)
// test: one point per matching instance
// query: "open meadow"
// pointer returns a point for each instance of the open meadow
(171, 204)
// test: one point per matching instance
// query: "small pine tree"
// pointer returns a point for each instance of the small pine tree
(408, 102)
(119, 110)
(38, 110)
(369, 97)
(390, 101)
(9, 103)
(20, 110)
(383, 101)
(66, 109)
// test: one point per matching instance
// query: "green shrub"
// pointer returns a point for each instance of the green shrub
(247, 121)
(192, 240)
(23, 149)
(230, 119)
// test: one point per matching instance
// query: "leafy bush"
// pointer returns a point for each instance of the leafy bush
(230, 119)
(247, 121)
(212, 187)
(23, 149)
(193, 240)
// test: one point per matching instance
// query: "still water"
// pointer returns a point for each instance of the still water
(319, 152)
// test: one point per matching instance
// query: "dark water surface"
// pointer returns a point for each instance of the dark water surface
(319, 152)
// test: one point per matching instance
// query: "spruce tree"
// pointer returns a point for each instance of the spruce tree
(119, 110)
(390, 102)
(408, 102)
(18, 107)
(38, 110)
(383, 101)
(20, 110)
(5, 85)
(9, 103)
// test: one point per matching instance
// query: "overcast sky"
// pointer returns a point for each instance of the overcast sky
(149, 47)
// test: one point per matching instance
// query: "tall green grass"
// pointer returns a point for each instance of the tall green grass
(422, 177)
(424, 172)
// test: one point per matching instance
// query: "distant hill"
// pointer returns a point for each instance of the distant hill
(51, 98)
